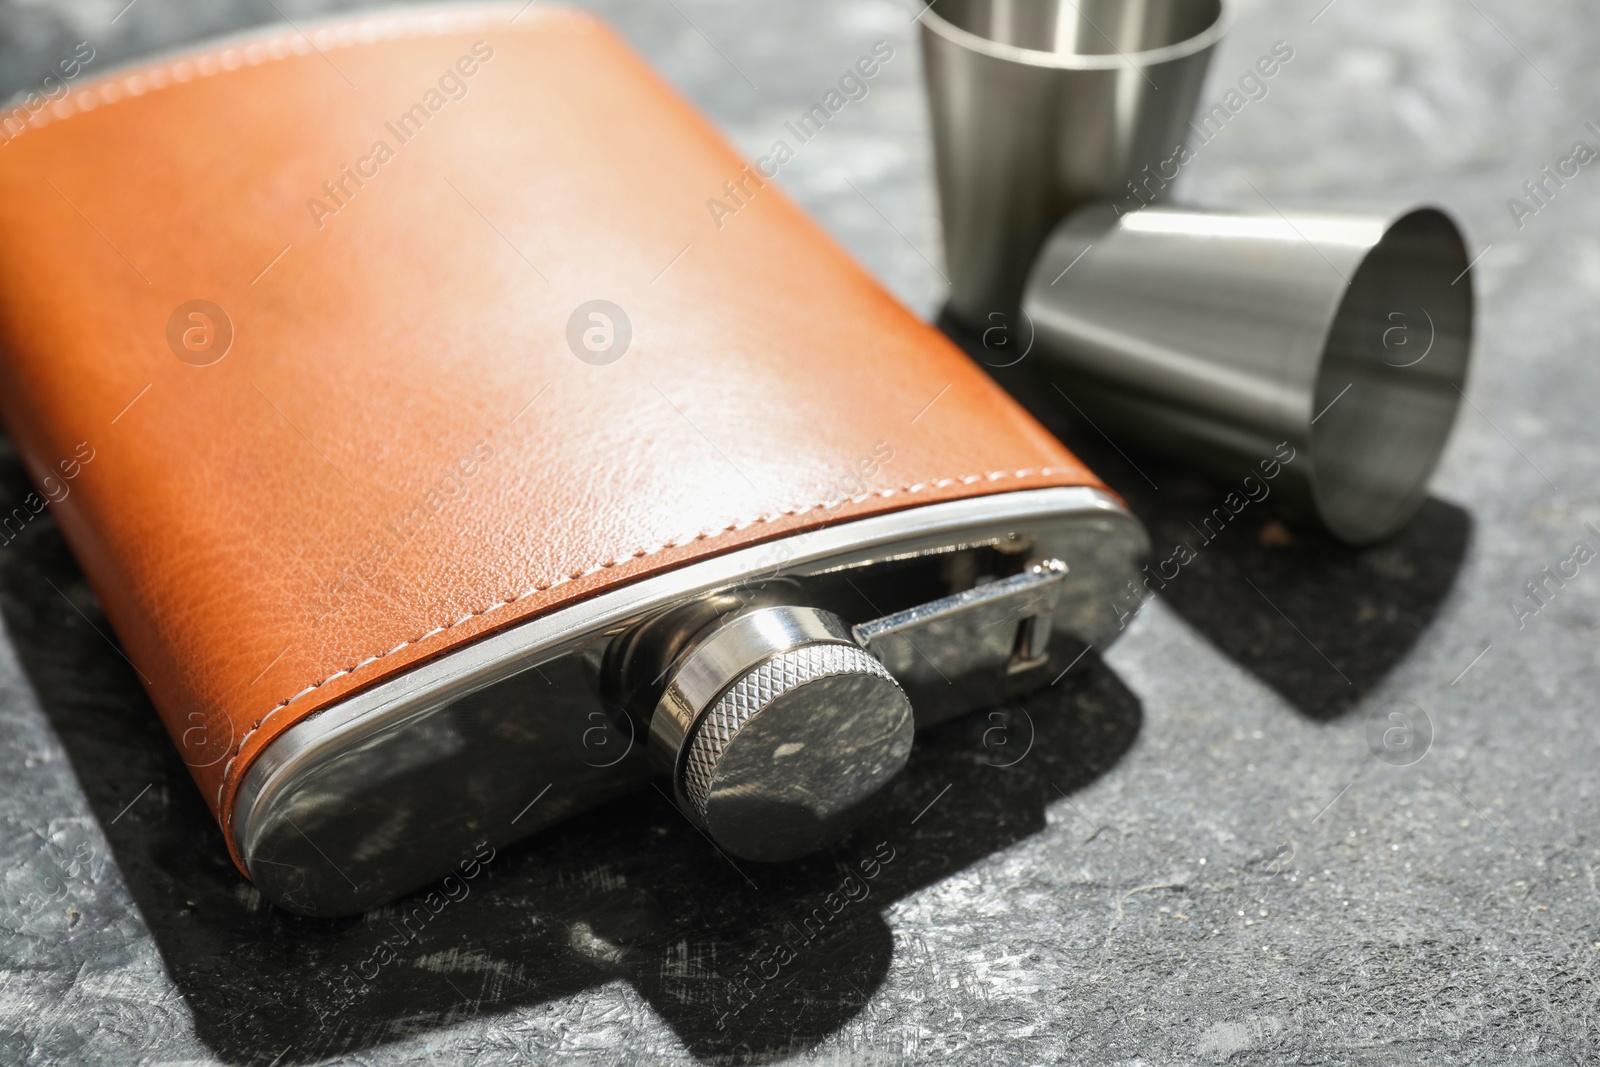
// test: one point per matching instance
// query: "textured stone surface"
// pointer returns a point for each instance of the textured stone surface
(1198, 859)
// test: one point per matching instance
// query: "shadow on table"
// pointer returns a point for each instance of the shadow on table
(744, 963)
(1318, 621)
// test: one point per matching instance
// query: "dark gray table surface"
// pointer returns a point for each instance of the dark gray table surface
(1199, 859)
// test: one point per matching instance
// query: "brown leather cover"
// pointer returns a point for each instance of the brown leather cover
(399, 452)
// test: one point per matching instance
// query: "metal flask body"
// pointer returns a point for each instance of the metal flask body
(1229, 340)
(771, 692)
(1040, 107)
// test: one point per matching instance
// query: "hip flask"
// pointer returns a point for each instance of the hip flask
(460, 467)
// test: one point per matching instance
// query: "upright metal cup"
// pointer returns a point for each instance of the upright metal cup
(1041, 106)
(1219, 338)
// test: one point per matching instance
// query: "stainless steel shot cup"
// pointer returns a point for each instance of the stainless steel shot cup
(1231, 340)
(1041, 106)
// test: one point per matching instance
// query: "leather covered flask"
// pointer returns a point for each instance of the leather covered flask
(456, 469)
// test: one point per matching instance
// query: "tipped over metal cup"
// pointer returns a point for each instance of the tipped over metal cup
(1041, 106)
(1216, 338)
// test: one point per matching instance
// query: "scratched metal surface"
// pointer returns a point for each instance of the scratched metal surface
(1199, 859)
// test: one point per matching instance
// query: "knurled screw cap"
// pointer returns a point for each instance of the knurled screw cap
(788, 757)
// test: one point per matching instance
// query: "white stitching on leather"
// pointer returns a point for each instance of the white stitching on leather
(347, 34)
(703, 535)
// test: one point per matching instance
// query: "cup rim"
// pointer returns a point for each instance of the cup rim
(1034, 57)
(1365, 524)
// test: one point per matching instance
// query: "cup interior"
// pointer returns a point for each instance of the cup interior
(1084, 28)
(1391, 378)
